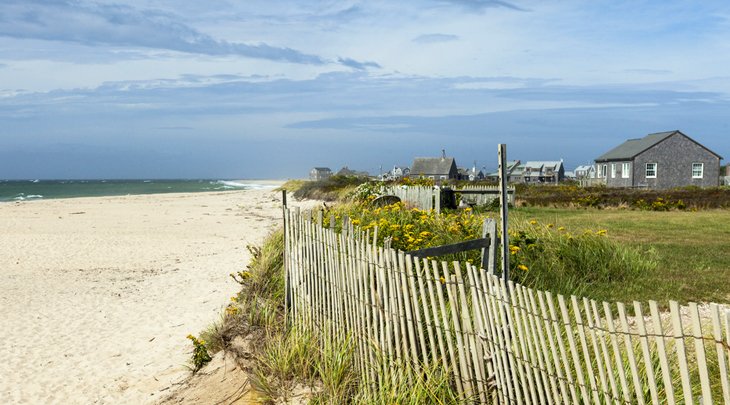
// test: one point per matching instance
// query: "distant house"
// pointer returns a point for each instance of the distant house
(585, 172)
(396, 174)
(537, 171)
(514, 172)
(439, 168)
(345, 171)
(659, 161)
(320, 173)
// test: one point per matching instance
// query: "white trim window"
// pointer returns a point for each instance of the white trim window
(625, 170)
(613, 170)
(651, 170)
(604, 171)
(698, 170)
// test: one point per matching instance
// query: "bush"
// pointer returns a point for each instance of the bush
(549, 258)
(331, 189)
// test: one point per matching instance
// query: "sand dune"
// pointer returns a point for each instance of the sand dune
(98, 294)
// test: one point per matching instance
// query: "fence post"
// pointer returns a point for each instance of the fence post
(503, 201)
(287, 286)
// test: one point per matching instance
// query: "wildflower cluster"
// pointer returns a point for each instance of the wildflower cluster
(659, 204)
(366, 192)
(410, 228)
(416, 181)
(201, 356)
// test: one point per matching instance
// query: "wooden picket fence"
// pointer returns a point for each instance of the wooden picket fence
(421, 197)
(500, 342)
(429, 198)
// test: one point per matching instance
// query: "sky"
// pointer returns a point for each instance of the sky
(269, 89)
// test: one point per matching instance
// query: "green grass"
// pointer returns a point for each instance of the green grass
(691, 249)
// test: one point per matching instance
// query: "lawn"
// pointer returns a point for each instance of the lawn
(693, 248)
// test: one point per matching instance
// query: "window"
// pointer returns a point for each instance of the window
(613, 170)
(651, 170)
(604, 171)
(698, 170)
(625, 170)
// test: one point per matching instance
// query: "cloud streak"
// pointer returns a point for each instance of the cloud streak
(358, 65)
(481, 5)
(124, 26)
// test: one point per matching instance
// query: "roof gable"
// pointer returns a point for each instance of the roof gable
(436, 166)
(633, 147)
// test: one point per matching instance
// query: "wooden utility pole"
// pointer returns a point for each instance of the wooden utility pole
(503, 201)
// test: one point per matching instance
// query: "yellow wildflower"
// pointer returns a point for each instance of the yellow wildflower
(562, 228)
(533, 222)
(356, 222)
(522, 267)
(601, 232)
(442, 280)
(550, 225)
(514, 249)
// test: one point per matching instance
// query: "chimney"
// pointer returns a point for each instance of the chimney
(443, 154)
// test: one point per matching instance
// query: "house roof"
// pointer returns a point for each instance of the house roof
(633, 147)
(426, 165)
(583, 168)
(544, 164)
(322, 169)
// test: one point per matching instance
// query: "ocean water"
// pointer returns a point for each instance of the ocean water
(23, 190)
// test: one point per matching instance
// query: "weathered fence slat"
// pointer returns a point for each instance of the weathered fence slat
(681, 354)
(721, 360)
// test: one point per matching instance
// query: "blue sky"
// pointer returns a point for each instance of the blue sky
(232, 89)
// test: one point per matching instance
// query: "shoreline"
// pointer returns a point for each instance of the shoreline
(24, 191)
(100, 292)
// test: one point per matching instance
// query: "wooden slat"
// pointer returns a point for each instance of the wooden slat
(596, 353)
(509, 333)
(587, 358)
(638, 387)
(453, 360)
(700, 351)
(662, 353)
(577, 364)
(678, 333)
(499, 354)
(432, 279)
(455, 307)
(536, 368)
(601, 334)
(644, 341)
(470, 345)
(549, 349)
(619, 366)
(428, 318)
(417, 324)
(557, 336)
(721, 351)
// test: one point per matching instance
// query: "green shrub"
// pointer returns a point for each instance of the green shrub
(200, 356)
(551, 258)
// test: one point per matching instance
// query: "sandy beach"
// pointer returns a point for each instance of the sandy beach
(98, 294)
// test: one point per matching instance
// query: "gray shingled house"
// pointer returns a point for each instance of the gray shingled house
(659, 161)
(320, 173)
(443, 168)
(538, 171)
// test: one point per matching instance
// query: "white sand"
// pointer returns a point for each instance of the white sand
(97, 295)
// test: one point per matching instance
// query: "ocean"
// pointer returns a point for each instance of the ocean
(25, 190)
